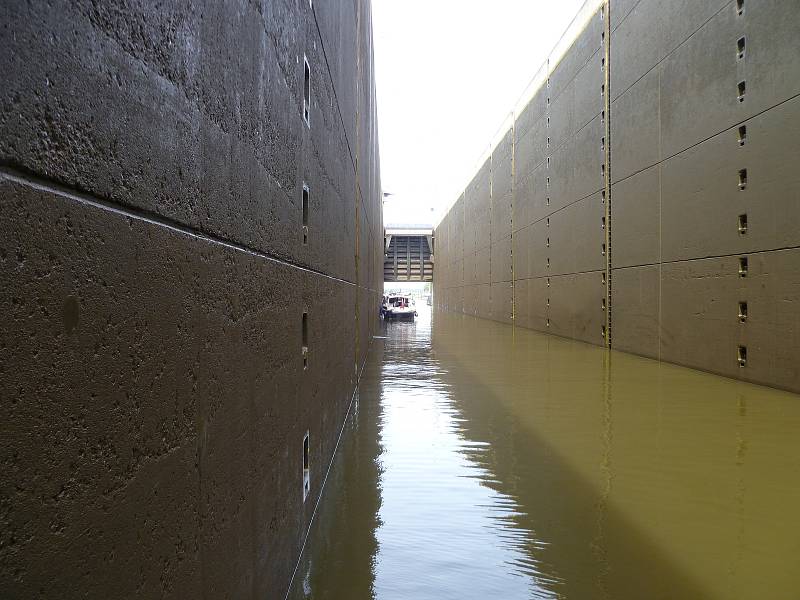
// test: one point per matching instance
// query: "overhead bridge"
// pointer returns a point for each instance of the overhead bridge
(408, 253)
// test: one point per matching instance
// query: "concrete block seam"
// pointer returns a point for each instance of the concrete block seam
(668, 54)
(80, 197)
(706, 139)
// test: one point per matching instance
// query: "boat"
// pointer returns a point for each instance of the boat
(397, 306)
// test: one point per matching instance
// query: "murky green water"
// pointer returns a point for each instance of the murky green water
(491, 463)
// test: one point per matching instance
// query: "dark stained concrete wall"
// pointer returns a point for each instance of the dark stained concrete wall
(655, 271)
(152, 159)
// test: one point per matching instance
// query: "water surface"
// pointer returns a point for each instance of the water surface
(482, 461)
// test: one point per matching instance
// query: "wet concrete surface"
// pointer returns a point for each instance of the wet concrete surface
(483, 461)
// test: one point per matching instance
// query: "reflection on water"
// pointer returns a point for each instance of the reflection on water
(483, 461)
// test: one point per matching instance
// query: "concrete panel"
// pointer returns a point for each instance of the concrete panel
(501, 294)
(635, 127)
(470, 271)
(620, 10)
(483, 304)
(652, 30)
(561, 309)
(521, 243)
(538, 190)
(501, 261)
(700, 323)
(538, 250)
(635, 310)
(501, 167)
(179, 382)
(586, 307)
(703, 201)
(532, 113)
(538, 293)
(483, 272)
(562, 118)
(575, 169)
(588, 234)
(772, 58)
(637, 219)
(522, 315)
(585, 45)
(559, 242)
(501, 217)
(588, 98)
(697, 107)
(531, 150)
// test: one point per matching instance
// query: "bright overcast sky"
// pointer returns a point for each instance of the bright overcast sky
(448, 72)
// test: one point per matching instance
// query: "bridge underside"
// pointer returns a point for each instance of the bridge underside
(408, 258)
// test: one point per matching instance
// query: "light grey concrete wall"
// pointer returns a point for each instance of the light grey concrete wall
(668, 124)
(152, 162)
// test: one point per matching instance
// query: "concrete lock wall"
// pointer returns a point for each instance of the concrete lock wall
(647, 197)
(155, 396)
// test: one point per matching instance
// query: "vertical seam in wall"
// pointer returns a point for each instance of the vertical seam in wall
(607, 132)
(491, 215)
(356, 186)
(660, 252)
(511, 217)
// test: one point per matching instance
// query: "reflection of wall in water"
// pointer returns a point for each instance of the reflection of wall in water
(628, 483)
(637, 183)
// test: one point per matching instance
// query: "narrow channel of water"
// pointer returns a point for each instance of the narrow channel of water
(487, 462)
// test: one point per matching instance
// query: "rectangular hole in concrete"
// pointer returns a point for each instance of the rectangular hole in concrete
(742, 88)
(548, 322)
(603, 303)
(603, 251)
(741, 355)
(603, 278)
(742, 311)
(548, 302)
(603, 330)
(742, 266)
(305, 213)
(304, 347)
(306, 466)
(742, 179)
(739, 7)
(306, 92)
(602, 222)
(548, 201)
(742, 134)
(548, 282)
(742, 224)
(740, 48)
(548, 242)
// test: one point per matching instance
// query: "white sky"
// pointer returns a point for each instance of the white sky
(448, 73)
